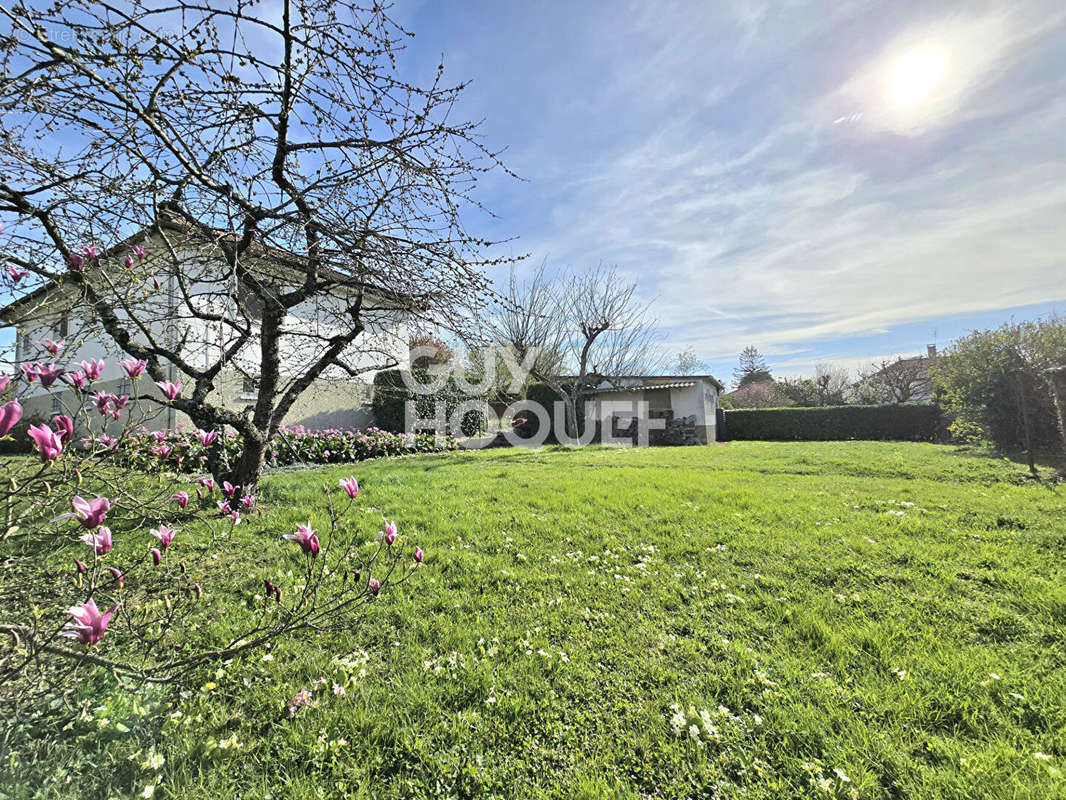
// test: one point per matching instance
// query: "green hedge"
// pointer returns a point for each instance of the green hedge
(391, 393)
(918, 423)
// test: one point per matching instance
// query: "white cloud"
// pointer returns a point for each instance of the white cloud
(811, 231)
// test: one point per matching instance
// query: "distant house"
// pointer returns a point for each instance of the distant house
(336, 399)
(905, 380)
(685, 403)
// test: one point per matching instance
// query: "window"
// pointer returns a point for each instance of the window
(124, 386)
(57, 407)
(63, 330)
(250, 385)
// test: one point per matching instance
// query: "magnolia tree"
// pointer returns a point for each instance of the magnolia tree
(231, 192)
(112, 569)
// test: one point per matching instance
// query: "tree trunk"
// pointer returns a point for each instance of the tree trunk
(1057, 382)
(246, 471)
(1027, 431)
(571, 417)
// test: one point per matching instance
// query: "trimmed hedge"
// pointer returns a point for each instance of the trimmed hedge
(391, 393)
(916, 423)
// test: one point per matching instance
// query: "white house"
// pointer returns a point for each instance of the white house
(686, 404)
(336, 399)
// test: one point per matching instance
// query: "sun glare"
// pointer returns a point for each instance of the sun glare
(916, 74)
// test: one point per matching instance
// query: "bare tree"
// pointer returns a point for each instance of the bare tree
(899, 381)
(688, 363)
(832, 383)
(588, 328)
(275, 164)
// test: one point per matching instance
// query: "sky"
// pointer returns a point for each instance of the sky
(839, 182)
(831, 182)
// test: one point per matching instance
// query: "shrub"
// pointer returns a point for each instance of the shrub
(81, 553)
(391, 393)
(907, 422)
(181, 450)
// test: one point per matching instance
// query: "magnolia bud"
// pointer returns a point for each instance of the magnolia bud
(80, 566)
(277, 593)
(181, 566)
(197, 591)
(77, 473)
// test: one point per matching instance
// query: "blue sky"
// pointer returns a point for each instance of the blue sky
(836, 181)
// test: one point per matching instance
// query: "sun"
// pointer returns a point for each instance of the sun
(916, 74)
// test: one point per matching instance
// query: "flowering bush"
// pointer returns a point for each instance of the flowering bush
(186, 450)
(120, 579)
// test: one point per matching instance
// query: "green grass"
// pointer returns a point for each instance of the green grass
(891, 611)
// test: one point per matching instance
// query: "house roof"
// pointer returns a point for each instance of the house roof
(170, 222)
(659, 382)
(643, 386)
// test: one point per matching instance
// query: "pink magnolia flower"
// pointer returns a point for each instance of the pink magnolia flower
(374, 585)
(100, 540)
(223, 506)
(351, 486)
(92, 368)
(134, 367)
(156, 555)
(117, 575)
(128, 262)
(207, 438)
(48, 442)
(15, 273)
(228, 488)
(181, 498)
(248, 500)
(235, 515)
(10, 413)
(164, 534)
(104, 402)
(389, 533)
(90, 513)
(160, 436)
(108, 442)
(419, 555)
(55, 348)
(169, 388)
(307, 538)
(140, 252)
(88, 624)
(76, 379)
(75, 261)
(64, 426)
(90, 251)
(30, 371)
(161, 450)
(208, 483)
(49, 374)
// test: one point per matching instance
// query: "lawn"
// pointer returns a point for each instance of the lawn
(760, 620)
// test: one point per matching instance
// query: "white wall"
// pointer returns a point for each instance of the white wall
(385, 338)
